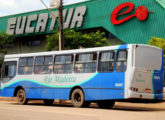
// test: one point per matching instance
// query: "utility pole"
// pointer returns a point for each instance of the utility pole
(61, 30)
(58, 4)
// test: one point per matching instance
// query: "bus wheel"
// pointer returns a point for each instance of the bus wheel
(106, 104)
(48, 102)
(77, 98)
(86, 104)
(21, 97)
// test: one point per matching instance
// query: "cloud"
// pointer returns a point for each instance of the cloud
(9, 7)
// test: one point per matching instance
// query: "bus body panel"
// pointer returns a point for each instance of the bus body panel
(147, 78)
(102, 86)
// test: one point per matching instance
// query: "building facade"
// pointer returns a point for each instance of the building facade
(124, 21)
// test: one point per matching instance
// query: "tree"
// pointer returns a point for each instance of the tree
(158, 42)
(75, 40)
(5, 41)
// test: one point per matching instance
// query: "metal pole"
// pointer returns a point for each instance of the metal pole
(48, 8)
(61, 35)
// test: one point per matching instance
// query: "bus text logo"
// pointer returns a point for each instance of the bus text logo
(141, 13)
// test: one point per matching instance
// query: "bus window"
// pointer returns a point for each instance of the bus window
(43, 65)
(63, 64)
(85, 63)
(25, 66)
(9, 70)
(106, 62)
(121, 63)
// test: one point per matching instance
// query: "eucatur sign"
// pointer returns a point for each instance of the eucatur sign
(141, 13)
(24, 24)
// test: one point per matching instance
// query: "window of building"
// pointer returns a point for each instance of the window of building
(85, 63)
(25, 66)
(43, 65)
(31, 42)
(106, 62)
(121, 64)
(63, 64)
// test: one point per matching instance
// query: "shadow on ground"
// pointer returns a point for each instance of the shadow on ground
(138, 108)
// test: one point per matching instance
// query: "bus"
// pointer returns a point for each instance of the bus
(102, 75)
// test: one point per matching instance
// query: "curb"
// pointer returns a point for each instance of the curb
(8, 99)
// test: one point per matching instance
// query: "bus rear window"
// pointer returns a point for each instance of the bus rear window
(147, 57)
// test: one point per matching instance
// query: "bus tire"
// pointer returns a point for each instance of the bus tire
(21, 97)
(48, 102)
(106, 103)
(77, 98)
(86, 104)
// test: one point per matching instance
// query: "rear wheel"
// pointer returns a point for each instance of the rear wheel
(77, 98)
(48, 102)
(106, 104)
(21, 97)
(86, 104)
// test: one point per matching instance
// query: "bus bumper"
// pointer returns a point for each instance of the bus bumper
(137, 95)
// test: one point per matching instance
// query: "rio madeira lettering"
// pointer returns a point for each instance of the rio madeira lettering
(26, 24)
(141, 13)
(59, 79)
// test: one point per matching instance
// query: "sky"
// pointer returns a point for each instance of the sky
(9, 7)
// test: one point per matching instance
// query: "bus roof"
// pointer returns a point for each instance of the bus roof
(73, 51)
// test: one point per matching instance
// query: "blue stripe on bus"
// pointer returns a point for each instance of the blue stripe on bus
(111, 86)
(157, 80)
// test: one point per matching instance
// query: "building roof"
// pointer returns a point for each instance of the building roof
(95, 14)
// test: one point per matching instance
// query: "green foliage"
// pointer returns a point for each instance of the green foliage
(158, 42)
(5, 41)
(75, 40)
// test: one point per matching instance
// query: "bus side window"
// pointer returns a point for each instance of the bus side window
(63, 64)
(43, 65)
(106, 62)
(121, 63)
(9, 71)
(25, 66)
(86, 63)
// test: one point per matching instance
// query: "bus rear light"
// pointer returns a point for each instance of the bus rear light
(147, 90)
(159, 91)
(134, 89)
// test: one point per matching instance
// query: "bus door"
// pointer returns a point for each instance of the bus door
(8, 71)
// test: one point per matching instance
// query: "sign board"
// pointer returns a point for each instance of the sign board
(25, 24)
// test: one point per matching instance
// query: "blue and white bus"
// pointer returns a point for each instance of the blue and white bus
(102, 75)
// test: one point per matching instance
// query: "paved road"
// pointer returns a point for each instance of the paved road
(10, 110)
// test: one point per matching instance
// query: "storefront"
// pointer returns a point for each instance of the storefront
(124, 21)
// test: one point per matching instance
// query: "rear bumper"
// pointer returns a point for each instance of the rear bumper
(148, 96)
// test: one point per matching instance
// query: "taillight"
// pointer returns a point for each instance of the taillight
(134, 89)
(147, 90)
(159, 91)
